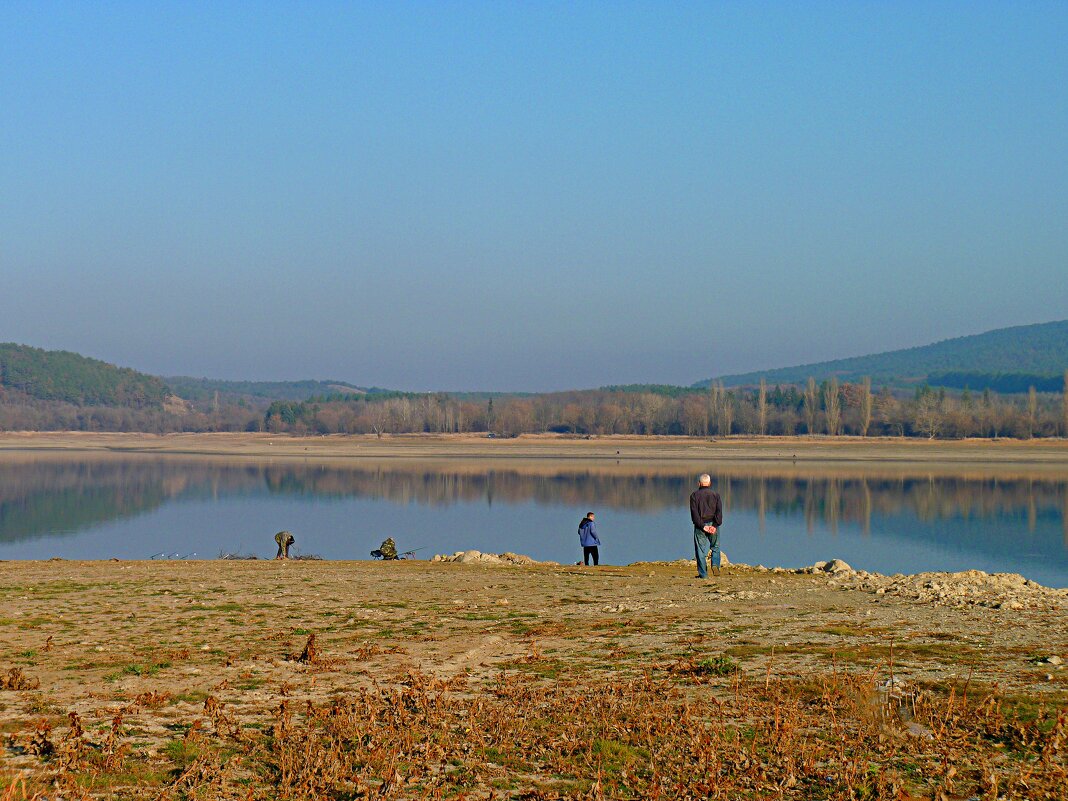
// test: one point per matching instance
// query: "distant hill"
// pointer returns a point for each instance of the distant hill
(203, 389)
(59, 375)
(1027, 353)
(668, 390)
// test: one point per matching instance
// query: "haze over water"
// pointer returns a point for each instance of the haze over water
(889, 522)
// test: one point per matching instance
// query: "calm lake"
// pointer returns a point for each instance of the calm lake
(876, 518)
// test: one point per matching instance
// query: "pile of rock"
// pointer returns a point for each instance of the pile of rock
(967, 588)
(1009, 591)
(477, 557)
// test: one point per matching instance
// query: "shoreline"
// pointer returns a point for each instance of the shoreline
(833, 569)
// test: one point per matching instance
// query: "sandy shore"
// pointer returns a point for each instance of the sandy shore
(206, 669)
(1045, 452)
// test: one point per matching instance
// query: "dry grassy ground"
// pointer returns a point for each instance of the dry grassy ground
(203, 680)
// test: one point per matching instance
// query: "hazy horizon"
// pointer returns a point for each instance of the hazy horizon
(496, 197)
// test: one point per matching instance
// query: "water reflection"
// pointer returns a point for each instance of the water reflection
(53, 495)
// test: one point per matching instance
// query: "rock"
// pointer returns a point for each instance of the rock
(724, 561)
(919, 730)
(1054, 660)
(837, 566)
(468, 557)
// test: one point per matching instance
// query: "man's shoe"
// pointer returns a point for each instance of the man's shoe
(715, 571)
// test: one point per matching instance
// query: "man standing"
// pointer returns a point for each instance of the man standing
(706, 512)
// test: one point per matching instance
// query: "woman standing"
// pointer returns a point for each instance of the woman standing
(589, 539)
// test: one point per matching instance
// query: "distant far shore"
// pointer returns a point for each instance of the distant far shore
(1048, 452)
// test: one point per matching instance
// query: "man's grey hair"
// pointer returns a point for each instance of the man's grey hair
(705, 480)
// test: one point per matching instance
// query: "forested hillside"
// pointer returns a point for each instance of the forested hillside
(203, 389)
(1038, 351)
(58, 375)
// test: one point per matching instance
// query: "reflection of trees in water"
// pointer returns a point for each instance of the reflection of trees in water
(62, 499)
(434, 488)
(40, 497)
(833, 501)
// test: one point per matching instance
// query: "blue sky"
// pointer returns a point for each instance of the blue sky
(526, 196)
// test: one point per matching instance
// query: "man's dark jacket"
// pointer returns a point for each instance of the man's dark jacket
(705, 508)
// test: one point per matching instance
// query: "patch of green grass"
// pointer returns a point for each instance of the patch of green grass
(39, 705)
(739, 629)
(614, 757)
(864, 653)
(521, 629)
(719, 665)
(136, 773)
(506, 759)
(840, 630)
(545, 668)
(191, 697)
(182, 752)
(750, 648)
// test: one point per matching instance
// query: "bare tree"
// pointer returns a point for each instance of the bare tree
(727, 414)
(929, 415)
(810, 405)
(762, 407)
(1032, 411)
(992, 414)
(865, 406)
(833, 407)
(715, 391)
(1064, 407)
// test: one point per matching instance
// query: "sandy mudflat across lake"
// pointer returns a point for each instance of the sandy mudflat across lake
(626, 450)
(196, 680)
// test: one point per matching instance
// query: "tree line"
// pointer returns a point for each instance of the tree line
(829, 408)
